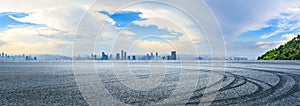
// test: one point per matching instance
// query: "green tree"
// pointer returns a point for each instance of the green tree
(288, 51)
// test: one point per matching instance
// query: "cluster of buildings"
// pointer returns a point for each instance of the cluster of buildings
(23, 57)
(238, 58)
(149, 56)
(124, 56)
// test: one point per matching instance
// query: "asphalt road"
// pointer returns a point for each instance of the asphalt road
(172, 83)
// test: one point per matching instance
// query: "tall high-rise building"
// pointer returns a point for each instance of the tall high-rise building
(173, 55)
(2, 54)
(92, 56)
(117, 56)
(169, 57)
(122, 54)
(133, 58)
(152, 56)
(147, 56)
(156, 55)
(128, 58)
(125, 56)
(110, 57)
(104, 56)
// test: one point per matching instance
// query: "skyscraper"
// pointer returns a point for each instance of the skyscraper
(156, 55)
(110, 57)
(92, 56)
(173, 55)
(169, 57)
(152, 56)
(128, 58)
(124, 58)
(122, 54)
(147, 56)
(104, 56)
(118, 56)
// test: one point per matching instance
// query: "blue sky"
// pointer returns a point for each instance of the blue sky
(125, 19)
(7, 21)
(249, 30)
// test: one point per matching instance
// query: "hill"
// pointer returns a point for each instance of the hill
(288, 51)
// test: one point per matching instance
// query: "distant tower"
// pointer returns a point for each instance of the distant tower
(152, 56)
(156, 55)
(173, 55)
(118, 56)
(128, 58)
(92, 56)
(169, 57)
(147, 56)
(122, 54)
(133, 58)
(104, 56)
(110, 57)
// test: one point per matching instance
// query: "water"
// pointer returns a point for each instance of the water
(171, 83)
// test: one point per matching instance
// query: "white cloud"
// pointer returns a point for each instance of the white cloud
(271, 34)
(64, 18)
(127, 32)
(267, 45)
(28, 40)
(153, 46)
(171, 18)
(236, 17)
(168, 36)
(160, 17)
(33, 5)
(288, 37)
(275, 44)
(288, 22)
(57, 22)
(175, 21)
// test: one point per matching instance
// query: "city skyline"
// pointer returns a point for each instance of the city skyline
(173, 55)
(94, 56)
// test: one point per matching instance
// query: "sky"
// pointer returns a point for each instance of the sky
(249, 27)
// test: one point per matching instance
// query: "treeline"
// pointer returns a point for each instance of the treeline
(288, 51)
